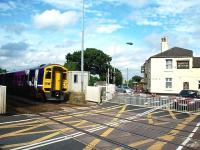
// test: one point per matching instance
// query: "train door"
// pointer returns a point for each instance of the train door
(57, 81)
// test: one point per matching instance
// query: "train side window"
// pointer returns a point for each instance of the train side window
(48, 75)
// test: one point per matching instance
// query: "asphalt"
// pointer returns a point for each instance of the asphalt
(106, 126)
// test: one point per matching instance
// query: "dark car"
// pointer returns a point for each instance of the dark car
(189, 99)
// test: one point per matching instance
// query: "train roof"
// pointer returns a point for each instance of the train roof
(33, 68)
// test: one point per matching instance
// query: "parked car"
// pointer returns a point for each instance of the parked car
(124, 89)
(189, 99)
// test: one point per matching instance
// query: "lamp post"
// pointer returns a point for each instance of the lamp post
(128, 43)
(127, 77)
(82, 46)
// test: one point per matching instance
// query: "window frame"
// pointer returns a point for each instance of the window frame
(169, 65)
(198, 84)
(168, 83)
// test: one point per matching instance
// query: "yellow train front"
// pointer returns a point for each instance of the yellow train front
(47, 82)
(55, 84)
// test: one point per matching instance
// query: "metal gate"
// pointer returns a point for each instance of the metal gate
(163, 102)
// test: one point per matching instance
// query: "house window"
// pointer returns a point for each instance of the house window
(199, 85)
(75, 78)
(182, 64)
(168, 63)
(168, 83)
(142, 69)
(186, 85)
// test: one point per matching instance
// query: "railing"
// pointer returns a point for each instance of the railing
(163, 102)
(2, 99)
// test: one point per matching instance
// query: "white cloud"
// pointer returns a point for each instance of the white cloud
(169, 15)
(109, 28)
(175, 6)
(65, 4)
(54, 18)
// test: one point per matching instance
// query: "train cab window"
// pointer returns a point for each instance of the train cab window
(48, 75)
(64, 76)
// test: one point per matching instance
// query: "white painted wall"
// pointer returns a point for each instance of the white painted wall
(76, 87)
(147, 75)
(159, 73)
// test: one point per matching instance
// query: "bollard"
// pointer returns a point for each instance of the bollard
(2, 99)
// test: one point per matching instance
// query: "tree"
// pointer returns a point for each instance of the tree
(96, 62)
(118, 77)
(2, 70)
(93, 80)
(136, 78)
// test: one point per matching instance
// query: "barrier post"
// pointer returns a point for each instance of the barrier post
(2, 99)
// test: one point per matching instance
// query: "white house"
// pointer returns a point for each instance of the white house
(171, 70)
(74, 81)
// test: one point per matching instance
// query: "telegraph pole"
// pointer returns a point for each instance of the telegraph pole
(82, 45)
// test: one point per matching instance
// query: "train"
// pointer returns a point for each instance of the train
(46, 82)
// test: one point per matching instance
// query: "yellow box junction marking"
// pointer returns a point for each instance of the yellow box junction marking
(92, 144)
(34, 125)
(172, 114)
(171, 135)
(138, 143)
(149, 117)
(19, 131)
(58, 131)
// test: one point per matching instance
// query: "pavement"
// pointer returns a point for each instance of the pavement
(106, 126)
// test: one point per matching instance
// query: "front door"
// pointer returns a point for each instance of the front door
(57, 81)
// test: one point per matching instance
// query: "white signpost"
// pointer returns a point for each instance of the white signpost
(2, 99)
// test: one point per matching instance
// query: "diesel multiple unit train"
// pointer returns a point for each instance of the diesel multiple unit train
(47, 82)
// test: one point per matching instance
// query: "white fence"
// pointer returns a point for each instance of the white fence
(2, 99)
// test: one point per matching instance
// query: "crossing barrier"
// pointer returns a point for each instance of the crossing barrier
(170, 103)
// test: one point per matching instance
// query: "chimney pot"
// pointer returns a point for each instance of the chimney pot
(164, 44)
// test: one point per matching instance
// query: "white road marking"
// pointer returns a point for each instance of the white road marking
(18, 121)
(55, 140)
(189, 137)
(67, 137)
(31, 115)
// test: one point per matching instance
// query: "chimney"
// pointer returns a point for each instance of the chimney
(164, 44)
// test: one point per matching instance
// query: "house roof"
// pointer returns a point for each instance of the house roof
(174, 52)
(196, 62)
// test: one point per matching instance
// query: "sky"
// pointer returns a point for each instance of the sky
(34, 32)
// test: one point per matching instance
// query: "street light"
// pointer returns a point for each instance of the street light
(82, 49)
(128, 43)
